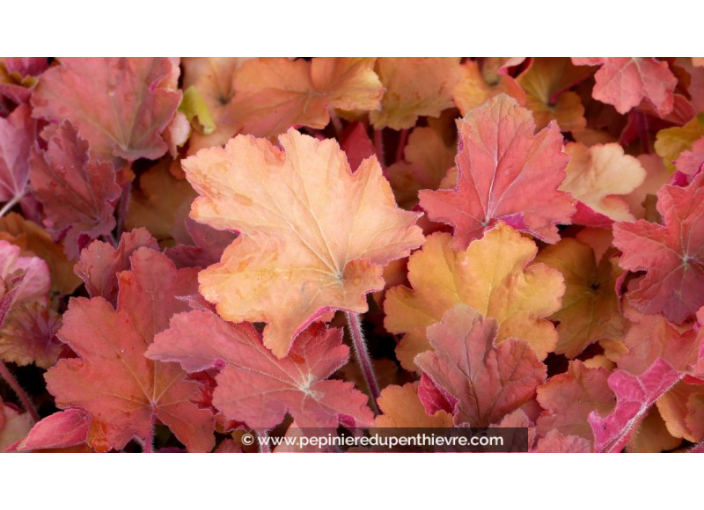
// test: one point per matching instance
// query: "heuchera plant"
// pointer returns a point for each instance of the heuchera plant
(196, 249)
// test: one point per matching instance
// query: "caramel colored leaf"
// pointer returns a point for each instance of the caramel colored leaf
(546, 82)
(590, 307)
(155, 204)
(473, 90)
(597, 176)
(415, 86)
(274, 94)
(314, 235)
(670, 143)
(682, 409)
(29, 335)
(34, 240)
(402, 408)
(427, 158)
(494, 276)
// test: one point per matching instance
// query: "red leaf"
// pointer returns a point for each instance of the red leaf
(60, 430)
(502, 168)
(21, 278)
(78, 193)
(17, 134)
(112, 380)
(121, 106)
(489, 381)
(257, 388)
(625, 81)
(100, 262)
(635, 395)
(672, 254)
(555, 442)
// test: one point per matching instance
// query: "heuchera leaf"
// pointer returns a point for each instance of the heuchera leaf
(569, 398)
(682, 409)
(554, 442)
(546, 82)
(22, 279)
(78, 193)
(29, 335)
(402, 408)
(13, 426)
(489, 381)
(590, 307)
(414, 86)
(121, 106)
(671, 142)
(494, 276)
(596, 176)
(625, 81)
(34, 240)
(502, 167)
(427, 158)
(273, 94)
(691, 162)
(101, 262)
(672, 253)
(122, 390)
(214, 81)
(257, 388)
(17, 134)
(635, 395)
(60, 430)
(209, 245)
(314, 236)
(18, 76)
(157, 203)
(473, 89)
(651, 337)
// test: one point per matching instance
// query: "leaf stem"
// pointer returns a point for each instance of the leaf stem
(12, 203)
(149, 440)
(365, 362)
(21, 394)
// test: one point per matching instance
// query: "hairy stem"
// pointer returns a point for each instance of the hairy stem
(21, 394)
(149, 440)
(365, 362)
